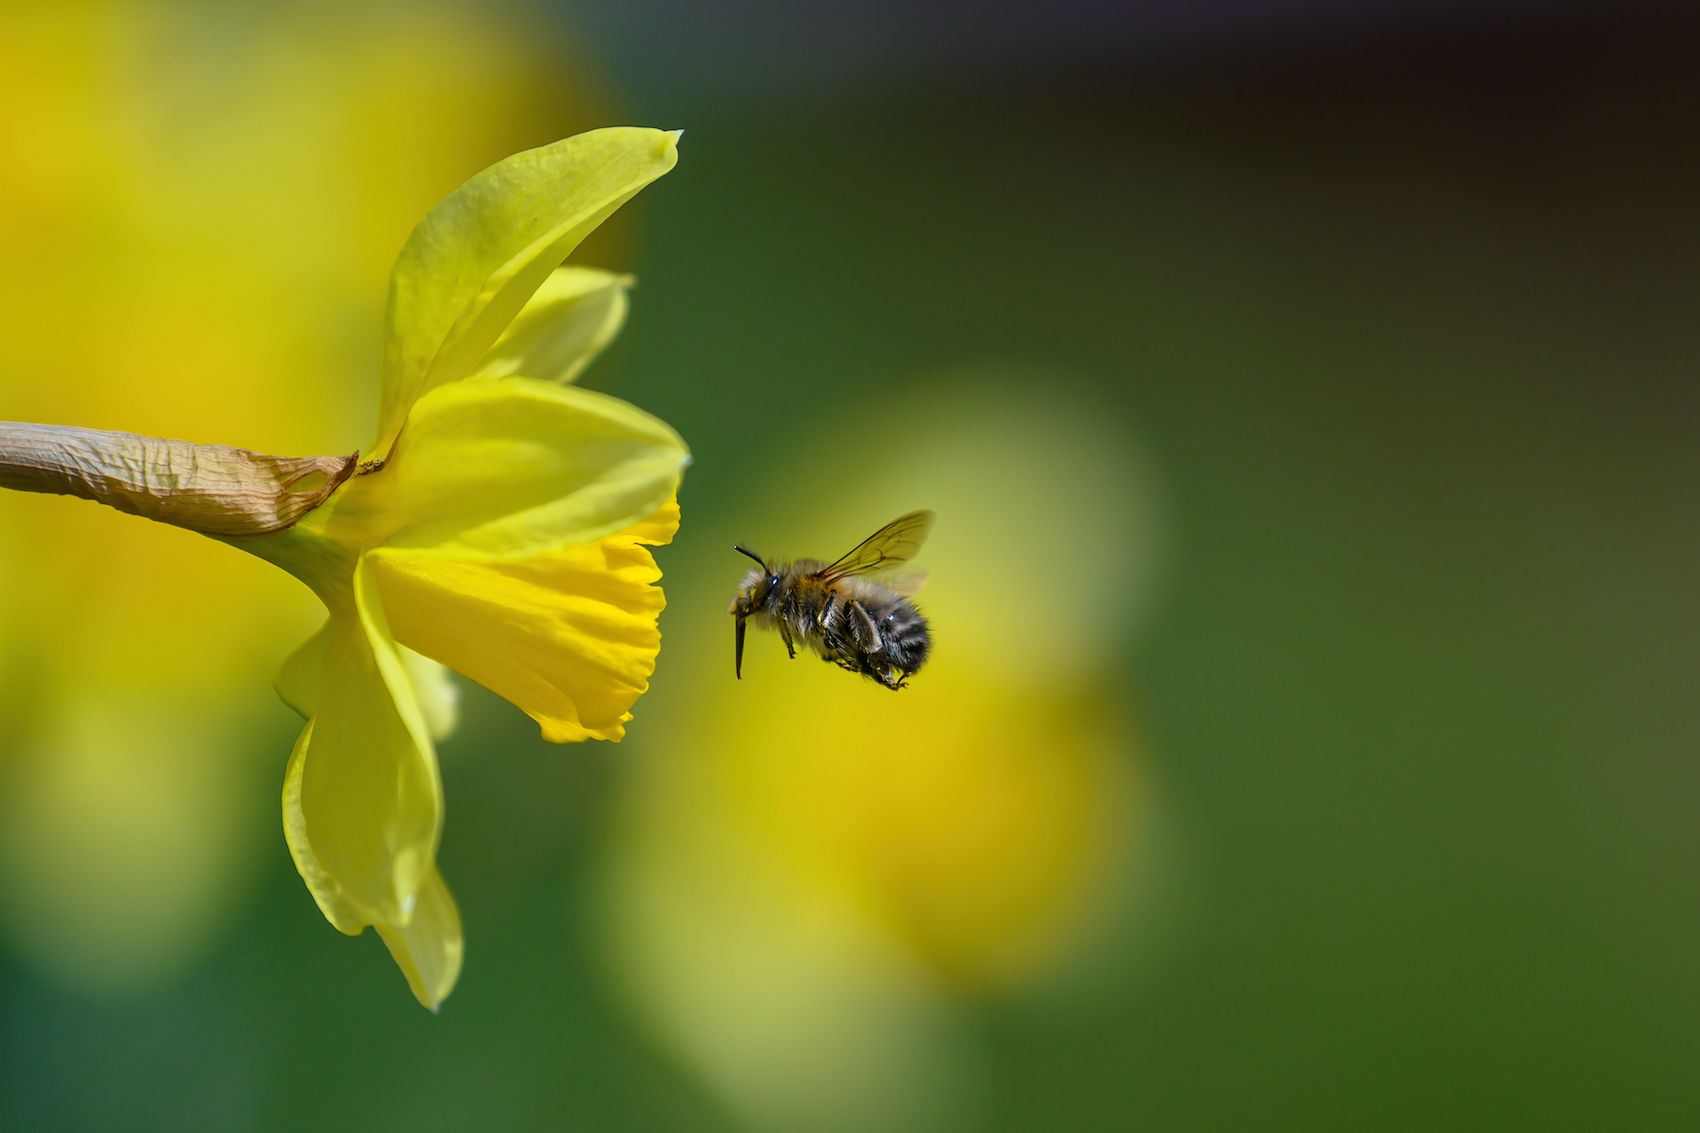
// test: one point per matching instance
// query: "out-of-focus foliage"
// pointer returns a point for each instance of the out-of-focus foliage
(198, 207)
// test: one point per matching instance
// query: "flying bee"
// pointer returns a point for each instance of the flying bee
(850, 619)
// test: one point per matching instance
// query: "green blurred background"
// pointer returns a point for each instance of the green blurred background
(1306, 393)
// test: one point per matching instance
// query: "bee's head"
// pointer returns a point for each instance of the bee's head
(756, 588)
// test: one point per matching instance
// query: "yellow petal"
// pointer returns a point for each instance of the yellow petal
(428, 949)
(570, 638)
(475, 259)
(369, 801)
(298, 679)
(435, 691)
(512, 468)
(572, 318)
(332, 901)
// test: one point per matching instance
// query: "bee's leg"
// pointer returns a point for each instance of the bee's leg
(785, 636)
(826, 610)
(883, 676)
(866, 633)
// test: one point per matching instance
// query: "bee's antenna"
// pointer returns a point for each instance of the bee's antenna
(738, 650)
(743, 550)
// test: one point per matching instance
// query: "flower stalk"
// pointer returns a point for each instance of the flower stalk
(214, 489)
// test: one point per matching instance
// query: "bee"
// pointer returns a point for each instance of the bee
(851, 620)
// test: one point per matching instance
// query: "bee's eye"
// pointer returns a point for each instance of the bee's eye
(773, 580)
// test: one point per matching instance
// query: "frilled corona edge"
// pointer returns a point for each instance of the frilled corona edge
(214, 489)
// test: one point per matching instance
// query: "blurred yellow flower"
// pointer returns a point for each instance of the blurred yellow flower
(201, 213)
(797, 905)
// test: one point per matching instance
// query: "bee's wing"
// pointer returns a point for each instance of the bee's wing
(904, 583)
(892, 544)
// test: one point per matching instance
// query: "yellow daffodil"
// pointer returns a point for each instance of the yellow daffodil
(499, 530)
(498, 526)
(198, 217)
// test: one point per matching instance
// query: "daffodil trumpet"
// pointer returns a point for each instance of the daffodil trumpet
(500, 527)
